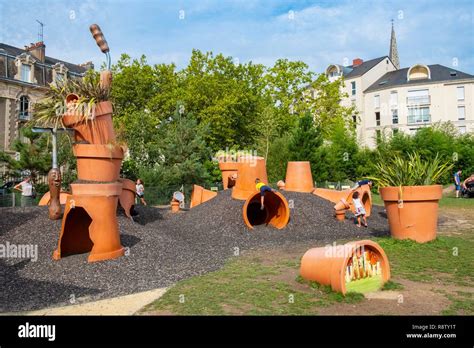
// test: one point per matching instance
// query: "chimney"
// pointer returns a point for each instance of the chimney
(356, 62)
(87, 65)
(38, 50)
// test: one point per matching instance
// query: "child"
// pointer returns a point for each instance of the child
(359, 209)
(140, 191)
(262, 188)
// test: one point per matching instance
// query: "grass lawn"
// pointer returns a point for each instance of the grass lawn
(255, 285)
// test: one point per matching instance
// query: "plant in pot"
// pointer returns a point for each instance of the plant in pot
(81, 104)
(411, 192)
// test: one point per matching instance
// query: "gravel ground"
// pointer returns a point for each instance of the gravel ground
(163, 248)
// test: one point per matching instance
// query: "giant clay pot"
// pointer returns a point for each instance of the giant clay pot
(127, 196)
(412, 211)
(249, 169)
(98, 162)
(327, 265)
(299, 177)
(96, 130)
(276, 211)
(200, 195)
(90, 223)
(228, 171)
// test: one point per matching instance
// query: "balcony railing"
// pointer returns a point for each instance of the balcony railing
(419, 119)
(419, 100)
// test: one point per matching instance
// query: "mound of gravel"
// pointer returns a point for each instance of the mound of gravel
(163, 248)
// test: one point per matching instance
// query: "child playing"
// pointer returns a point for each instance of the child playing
(262, 188)
(140, 191)
(359, 209)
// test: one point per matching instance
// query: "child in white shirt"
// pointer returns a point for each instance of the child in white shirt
(359, 209)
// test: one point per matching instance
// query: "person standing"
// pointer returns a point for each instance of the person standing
(457, 182)
(140, 191)
(27, 192)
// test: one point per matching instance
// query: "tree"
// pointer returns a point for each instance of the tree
(182, 153)
(268, 129)
(306, 140)
(34, 153)
(285, 85)
(324, 104)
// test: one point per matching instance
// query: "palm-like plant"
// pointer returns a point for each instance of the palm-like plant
(48, 112)
(413, 171)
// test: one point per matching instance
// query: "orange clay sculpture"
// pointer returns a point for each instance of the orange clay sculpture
(248, 169)
(336, 196)
(276, 211)
(229, 173)
(89, 222)
(299, 177)
(327, 265)
(127, 196)
(412, 211)
(46, 198)
(201, 195)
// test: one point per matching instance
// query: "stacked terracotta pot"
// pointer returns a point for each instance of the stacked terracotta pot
(89, 222)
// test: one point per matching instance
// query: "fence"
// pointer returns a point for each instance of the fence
(159, 195)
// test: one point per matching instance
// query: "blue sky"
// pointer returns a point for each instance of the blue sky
(316, 32)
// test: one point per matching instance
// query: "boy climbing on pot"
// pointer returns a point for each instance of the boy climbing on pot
(359, 209)
(262, 188)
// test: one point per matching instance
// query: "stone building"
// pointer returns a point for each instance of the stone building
(25, 76)
(389, 99)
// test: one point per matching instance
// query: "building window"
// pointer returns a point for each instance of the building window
(393, 99)
(59, 77)
(353, 87)
(24, 108)
(418, 97)
(461, 113)
(460, 93)
(25, 72)
(419, 115)
(377, 118)
(462, 129)
(376, 101)
(395, 116)
(354, 121)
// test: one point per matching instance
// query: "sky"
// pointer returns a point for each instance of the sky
(317, 32)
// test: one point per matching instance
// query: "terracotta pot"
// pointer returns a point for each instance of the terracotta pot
(327, 265)
(201, 195)
(340, 215)
(276, 212)
(127, 196)
(341, 205)
(298, 177)
(63, 195)
(97, 130)
(228, 170)
(90, 224)
(98, 162)
(412, 212)
(174, 206)
(248, 170)
(335, 196)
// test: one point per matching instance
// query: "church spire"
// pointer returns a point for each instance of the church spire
(393, 55)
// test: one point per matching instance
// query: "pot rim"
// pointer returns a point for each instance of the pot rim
(412, 193)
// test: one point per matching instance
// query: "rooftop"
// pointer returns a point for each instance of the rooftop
(439, 73)
(15, 51)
